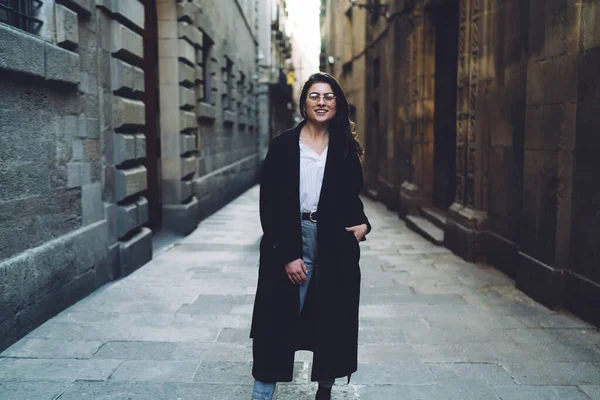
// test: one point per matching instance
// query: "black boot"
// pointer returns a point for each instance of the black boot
(323, 393)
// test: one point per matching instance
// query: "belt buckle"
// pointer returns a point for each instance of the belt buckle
(310, 217)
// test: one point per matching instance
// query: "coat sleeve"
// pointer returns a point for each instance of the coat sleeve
(269, 205)
(356, 184)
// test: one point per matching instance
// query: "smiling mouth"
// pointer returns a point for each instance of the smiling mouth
(321, 111)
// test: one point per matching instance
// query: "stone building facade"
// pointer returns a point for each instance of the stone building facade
(484, 126)
(117, 119)
(343, 55)
(275, 97)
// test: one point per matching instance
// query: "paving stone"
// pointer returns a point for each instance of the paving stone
(381, 336)
(229, 335)
(39, 390)
(531, 335)
(212, 352)
(537, 373)
(432, 326)
(491, 374)
(136, 351)
(12, 369)
(393, 374)
(455, 335)
(540, 393)
(459, 391)
(114, 390)
(42, 348)
(287, 391)
(156, 371)
(593, 391)
(225, 372)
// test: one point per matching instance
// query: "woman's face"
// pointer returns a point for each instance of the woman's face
(320, 103)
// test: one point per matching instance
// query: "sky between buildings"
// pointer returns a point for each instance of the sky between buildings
(303, 23)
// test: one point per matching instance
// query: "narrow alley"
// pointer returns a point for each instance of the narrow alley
(431, 327)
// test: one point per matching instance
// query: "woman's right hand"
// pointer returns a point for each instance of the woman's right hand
(296, 271)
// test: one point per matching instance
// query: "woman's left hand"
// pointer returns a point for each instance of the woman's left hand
(359, 231)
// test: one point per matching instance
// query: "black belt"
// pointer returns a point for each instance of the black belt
(309, 216)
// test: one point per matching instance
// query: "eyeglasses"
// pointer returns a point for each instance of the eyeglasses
(327, 97)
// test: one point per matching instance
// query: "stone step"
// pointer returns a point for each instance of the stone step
(435, 216)
(426, 229)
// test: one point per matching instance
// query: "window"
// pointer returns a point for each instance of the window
(20, 14)
(206, 90)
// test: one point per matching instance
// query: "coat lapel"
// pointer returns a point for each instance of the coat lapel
(328, 175)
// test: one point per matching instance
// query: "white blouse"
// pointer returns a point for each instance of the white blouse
(312, 167)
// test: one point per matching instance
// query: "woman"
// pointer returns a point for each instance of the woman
(312, 219)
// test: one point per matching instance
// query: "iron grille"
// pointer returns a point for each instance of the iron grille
(20, 14)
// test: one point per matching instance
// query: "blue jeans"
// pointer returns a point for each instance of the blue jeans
(266, 390)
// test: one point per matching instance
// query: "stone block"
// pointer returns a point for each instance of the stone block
(140, 146)
(186, 11)
(188, 143)
(76, 126)
(187, 121)
(129, 182)
(81, 7)
(127, 219)
(126, 77)
(46, 13)
(142, 210)
(553, 81)
(127, 113)
(206, 111)
(187, 75)
(187, 98)
(125, 43)
(90, 245)
(547, 126)
(123, 148)
(590, 15)
(202, 186)
(229, 117)
(135, 252)
(186, 52)
(188, 166)
(61, 65)
(131, 10)
(181, 218)
(187, 32)
(67, 27)
(186, 189)
(92, 209)
(78, 174)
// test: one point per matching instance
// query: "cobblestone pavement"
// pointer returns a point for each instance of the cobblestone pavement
(432, 327)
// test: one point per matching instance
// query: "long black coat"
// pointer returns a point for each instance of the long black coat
(328, 324)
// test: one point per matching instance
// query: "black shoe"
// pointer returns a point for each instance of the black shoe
(323, 393)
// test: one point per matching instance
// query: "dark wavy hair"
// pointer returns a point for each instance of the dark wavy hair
(341, 123)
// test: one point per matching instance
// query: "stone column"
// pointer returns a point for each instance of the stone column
(121, 25)
(179, 43)
(416, 191)
(466, 220)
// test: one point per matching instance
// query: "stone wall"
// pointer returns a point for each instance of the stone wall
(54, 237)
(209, 154)
(526, 114)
